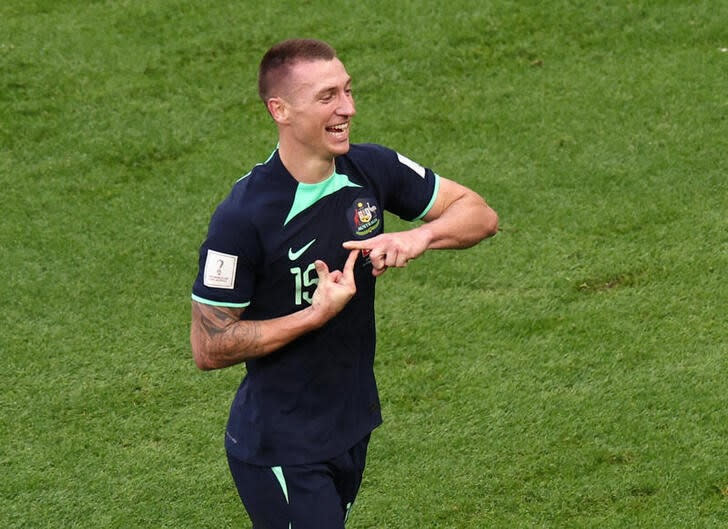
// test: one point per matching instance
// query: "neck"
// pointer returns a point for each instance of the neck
(303, 165)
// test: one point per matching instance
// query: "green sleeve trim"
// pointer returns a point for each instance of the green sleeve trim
(220, 303)
(432, 200)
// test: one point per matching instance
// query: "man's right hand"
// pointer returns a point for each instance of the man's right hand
(335, 288)
(220, 338)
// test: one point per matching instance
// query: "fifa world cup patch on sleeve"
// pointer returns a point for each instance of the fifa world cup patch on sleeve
(220, 270)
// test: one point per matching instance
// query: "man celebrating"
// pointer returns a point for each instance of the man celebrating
(286, 285)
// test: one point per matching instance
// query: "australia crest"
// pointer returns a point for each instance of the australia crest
(364, 217)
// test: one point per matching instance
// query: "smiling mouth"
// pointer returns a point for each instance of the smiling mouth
(338, 129)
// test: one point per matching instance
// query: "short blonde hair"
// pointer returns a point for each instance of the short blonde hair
(277, 61)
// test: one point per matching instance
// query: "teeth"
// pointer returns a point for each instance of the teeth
(339, 128)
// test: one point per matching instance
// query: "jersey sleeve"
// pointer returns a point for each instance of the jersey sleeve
(408, 189)
(227, 261)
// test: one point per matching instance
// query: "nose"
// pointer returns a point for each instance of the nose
(346, 105)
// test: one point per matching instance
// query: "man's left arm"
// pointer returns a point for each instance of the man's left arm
(459, 218)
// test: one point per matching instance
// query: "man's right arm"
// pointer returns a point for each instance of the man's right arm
(219, 338)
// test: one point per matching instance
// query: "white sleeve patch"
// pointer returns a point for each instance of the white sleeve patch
(417, 168)
(220, 270)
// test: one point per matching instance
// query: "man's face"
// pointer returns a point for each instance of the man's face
(321, 106)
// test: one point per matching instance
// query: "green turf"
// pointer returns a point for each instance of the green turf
(570, 372)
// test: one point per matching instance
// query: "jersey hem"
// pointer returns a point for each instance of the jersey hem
(303, 458)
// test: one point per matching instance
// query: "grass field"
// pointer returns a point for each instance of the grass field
(570, 372)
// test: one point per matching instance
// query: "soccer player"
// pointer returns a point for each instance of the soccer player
(286, 285)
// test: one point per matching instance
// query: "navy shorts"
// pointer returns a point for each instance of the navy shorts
(311, 496)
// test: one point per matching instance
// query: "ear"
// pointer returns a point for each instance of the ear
(278, 109)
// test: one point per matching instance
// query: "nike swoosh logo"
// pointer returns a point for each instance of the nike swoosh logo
(295, 255)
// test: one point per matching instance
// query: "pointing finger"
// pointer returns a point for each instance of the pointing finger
(349, 265)
(355, 245)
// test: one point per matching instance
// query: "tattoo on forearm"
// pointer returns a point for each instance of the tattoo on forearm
(215, 321)
(230, 336)
(248, 335)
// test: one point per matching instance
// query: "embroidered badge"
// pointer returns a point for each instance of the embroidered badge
(364, 217)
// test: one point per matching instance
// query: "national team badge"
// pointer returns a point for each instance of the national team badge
(364, 217)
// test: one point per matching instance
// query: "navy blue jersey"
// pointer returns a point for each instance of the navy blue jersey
(315, 397)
